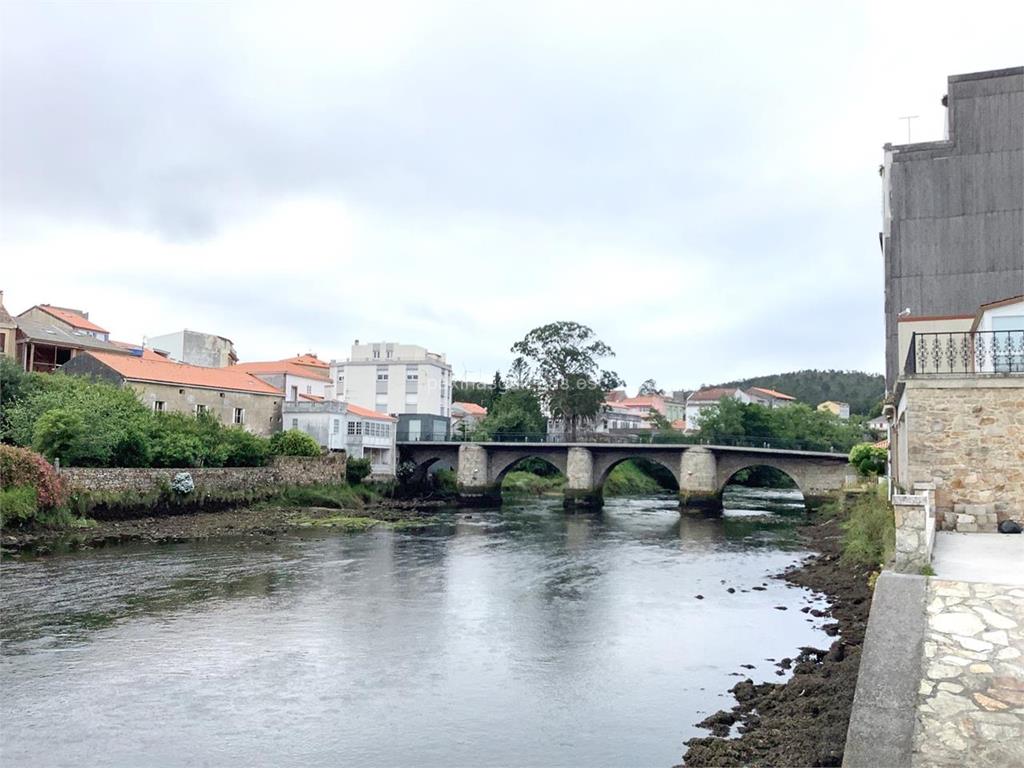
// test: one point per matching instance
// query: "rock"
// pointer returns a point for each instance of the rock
(996, 620)
(1008, 654)
(957, 623)
(981, 669)
(988, 703)
(1010, 526)
(972, 644)
(998, 638)
(942, 671)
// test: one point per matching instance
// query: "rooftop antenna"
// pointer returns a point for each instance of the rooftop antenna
(908, 118)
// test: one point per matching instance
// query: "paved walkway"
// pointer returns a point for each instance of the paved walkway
(995, 558)
(970, 706)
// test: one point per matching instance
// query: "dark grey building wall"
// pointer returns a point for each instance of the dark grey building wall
(85, 365)
(953, 233)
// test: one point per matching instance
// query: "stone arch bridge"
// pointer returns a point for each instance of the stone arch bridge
(701, 471)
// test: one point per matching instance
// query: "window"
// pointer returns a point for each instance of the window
(295, 423)
(390, 351)
(411, 398)
(295, 394)
(412, 373)
(381, 403)
(239, 416)
(382, 373)
(158, 406)
(309, 389)
(351, 428)
(200, 409)
(337, 426)
(3, 342)
(376, 351)
(359, 427)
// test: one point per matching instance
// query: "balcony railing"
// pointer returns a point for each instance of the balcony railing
(966, 353)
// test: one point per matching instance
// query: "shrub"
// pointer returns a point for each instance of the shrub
(869, 531)
(356, 470)
(22, 467)
(445, 481)
(133, 449)
(244, 449)
(294, 442)
(868, 459)
(60, 433)
(18, 504)
(175, 449)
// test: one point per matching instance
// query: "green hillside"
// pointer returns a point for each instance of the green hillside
(861, 390)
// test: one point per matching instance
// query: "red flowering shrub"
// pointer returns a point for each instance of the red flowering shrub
(21, 467)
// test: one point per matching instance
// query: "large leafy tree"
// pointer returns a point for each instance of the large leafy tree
(650, 387)
(516, 415)
(561, 362)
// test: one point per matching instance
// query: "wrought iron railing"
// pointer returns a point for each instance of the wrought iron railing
(966, 352)
(653, 438)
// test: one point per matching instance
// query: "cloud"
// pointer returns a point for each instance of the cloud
(697, 184)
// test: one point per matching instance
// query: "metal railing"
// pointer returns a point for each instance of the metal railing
(966, 352)
(655, 438)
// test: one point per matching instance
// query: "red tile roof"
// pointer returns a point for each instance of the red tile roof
(163, 371)
(679, 424)
(471, 408)
(72, 317)
(642, 401)
(308, 359)
(366, 413)
(282, 366)
(772, 393)
(712, 394)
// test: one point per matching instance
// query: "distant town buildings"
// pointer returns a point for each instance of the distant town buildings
(295, 382)
(842, 410)
(953, 213)
(404, 380)
(195, 348)
(466, 417)
(339, 426)
(47, 337)
(769, 398)
(699, 402)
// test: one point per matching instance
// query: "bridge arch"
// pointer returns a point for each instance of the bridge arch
(729, 468)
(603, 466)
(503, 462)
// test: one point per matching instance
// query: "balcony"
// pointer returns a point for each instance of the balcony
(966, 353)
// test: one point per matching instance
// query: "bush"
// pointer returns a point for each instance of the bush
(357, 470)
(60, 433)
(133, 449)
(175, 449)
(244, 449)
(445, 481)
(868, 459)
(869, 531)
(294, 442)
(22, 467)
(18, 504)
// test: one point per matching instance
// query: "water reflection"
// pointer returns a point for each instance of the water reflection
(521, 636)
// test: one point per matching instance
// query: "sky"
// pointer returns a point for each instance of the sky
(696, 182)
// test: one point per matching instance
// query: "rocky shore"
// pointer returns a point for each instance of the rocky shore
(803, 721)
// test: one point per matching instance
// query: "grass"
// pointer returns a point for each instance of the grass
(627, 479)
(341, 496)
(869, 531)
(519, 483)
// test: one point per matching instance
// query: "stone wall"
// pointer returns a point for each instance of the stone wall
(285, 470)
(966, 436)
(915, 531)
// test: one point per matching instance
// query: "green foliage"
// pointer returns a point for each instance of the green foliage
(798, 426)
(344, 522)
(516, 414)
(13, 382)
(356, 470)
(446, 481)
(628, 479)
(560, 363)
(869, 531)
(332, 496)
(861, 390)
(650, 387)
(23, 467)
(762, 476)
(17, 505)
(244, 449)
(294, 442)
(61, 433)
(868, 459)
(478, 392)
(519, 483)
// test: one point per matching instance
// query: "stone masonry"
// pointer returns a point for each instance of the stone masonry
(970, 708)
(965, 435)
(915, 531)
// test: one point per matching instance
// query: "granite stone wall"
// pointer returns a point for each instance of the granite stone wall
(285, 470)
(966, 436)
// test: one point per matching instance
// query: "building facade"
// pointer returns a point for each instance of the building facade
(47, 337)
(195, 348)
(466, 417)
(338, 426)
(233, 397)
(769, 398)
(836, 408)
(294, 382)
(701, 401)
(953, 210)
(404, 380)
(8, 332)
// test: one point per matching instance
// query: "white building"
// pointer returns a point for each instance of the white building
(404, 380)
(769, 398)
(466, 417)
(338, 426)
(206, 349)
(836, 408)
(700, 401)
(296, 382)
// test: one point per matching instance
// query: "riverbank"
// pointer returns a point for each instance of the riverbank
(801, 722)
(265, 520)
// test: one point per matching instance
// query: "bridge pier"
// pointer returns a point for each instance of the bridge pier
(474, 479)
(580, 493)
(698, 481)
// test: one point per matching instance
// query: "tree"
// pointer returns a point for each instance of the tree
(60, 434)
(560, 363)
(294, 442)
(516, 416)
(497, 390)
(869, 459)
(650, 387)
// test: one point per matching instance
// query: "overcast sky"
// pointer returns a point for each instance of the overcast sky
(697, 182)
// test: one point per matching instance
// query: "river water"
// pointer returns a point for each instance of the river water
(515, 637)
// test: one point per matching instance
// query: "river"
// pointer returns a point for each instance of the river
(520, 636)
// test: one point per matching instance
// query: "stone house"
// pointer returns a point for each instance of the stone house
(232, 396)
(47, 337)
